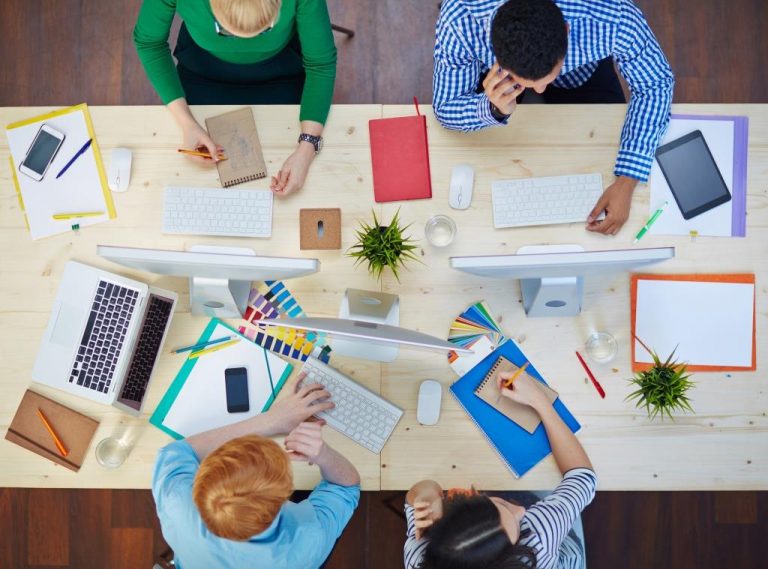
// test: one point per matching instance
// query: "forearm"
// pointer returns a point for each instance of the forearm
(208, 441)
(336, 469)
(181, 112)
(566, 448)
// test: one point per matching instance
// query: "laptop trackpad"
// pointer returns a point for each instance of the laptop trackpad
(69, 324)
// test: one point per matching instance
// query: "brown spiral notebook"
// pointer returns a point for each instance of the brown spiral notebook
(236, 132)
(74, 429)
(521, 414)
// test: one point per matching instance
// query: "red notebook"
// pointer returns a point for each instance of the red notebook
(400, 157)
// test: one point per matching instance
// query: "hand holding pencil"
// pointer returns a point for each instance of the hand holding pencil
(199, 141)
(522, 390)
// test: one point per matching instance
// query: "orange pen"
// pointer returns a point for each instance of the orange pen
(62, 449)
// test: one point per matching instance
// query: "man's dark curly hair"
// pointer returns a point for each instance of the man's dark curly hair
(529, 37)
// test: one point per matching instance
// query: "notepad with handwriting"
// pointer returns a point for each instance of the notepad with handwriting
(400, 158)
(74, 429)
(489, 391)
(236, 132)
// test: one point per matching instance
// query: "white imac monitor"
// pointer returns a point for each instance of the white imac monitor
(552, 276)
(369, 334)
(220, 278)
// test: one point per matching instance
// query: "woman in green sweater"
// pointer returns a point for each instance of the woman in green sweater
(243, 52)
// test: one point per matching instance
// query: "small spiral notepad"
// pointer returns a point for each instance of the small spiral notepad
(236, 133)
(489, 392)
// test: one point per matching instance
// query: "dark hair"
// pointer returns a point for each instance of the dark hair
(529, 37)
(470, 536)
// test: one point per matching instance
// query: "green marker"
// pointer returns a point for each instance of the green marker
(648, 223)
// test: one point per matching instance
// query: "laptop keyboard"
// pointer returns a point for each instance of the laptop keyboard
(104, 335)
(147, 347)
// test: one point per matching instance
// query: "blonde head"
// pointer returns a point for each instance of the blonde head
(241, 486)
(246, 18)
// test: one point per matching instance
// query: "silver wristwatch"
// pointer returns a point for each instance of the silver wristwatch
(316, 141)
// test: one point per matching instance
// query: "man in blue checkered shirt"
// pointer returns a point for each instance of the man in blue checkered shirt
(489, 52)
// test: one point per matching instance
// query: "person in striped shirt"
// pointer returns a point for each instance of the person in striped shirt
(489, 52)
(477, 531)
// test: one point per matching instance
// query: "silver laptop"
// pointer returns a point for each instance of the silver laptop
(104, 337)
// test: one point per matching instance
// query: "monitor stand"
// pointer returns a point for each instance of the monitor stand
(368, 306)
(552, 296)
(219, 298)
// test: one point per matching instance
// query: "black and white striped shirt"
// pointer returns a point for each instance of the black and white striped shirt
(548, 520)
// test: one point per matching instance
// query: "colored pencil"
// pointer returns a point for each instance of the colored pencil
(59, 445)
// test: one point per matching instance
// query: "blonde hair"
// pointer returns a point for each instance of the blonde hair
(246, 17)
(241, 486)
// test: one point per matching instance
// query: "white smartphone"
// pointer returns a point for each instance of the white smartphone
(41, 152)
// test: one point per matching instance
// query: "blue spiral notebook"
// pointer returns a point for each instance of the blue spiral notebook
(519, 449)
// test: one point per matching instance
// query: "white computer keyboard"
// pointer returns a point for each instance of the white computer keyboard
(359, 413)
(215, 211)
(543, 201)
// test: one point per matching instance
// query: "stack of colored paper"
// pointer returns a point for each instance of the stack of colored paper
(273, 300)
(477, 329)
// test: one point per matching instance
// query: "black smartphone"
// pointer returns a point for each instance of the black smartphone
(236, 381)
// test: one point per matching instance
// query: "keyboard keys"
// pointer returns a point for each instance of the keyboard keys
(543, 201)
(359, 413)
(214, 211)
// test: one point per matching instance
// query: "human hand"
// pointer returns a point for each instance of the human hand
(292, 175)
(197, 138)
(425, 514)
(305, 442)
(501, 89)
(306, 400)
(524, 390)
(615, 201)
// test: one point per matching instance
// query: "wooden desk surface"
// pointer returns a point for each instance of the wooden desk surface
(723, 446)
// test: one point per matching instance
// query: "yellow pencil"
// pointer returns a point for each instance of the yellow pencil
(508, 382)
(215, 348)
(200, 153)
(78, 214)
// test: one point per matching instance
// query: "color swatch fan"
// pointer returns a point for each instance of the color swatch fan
(477, 329)
(273, 300)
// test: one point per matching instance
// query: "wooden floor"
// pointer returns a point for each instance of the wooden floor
(118, 529)
(68, 51)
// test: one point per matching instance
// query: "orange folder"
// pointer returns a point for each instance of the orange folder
(726, 278)
(400, 158)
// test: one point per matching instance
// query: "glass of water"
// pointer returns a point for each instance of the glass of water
(112, 452)
(601, 347)
(440, 230)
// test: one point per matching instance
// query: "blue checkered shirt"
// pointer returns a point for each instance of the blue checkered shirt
(598, 29)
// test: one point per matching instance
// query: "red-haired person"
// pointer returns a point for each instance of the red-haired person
(223, 495)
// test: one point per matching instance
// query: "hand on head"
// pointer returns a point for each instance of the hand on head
(502, 91)
(306, 400)
(425, 514)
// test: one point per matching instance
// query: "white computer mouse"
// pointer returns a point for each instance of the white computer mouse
(119, 173)
(462, 180)
(430, 396)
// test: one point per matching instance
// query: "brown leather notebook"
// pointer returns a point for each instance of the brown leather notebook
(74, 429)
(521, 414)
(236, 132)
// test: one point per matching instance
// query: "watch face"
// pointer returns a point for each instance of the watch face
(319, 145)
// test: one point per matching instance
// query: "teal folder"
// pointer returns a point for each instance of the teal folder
(519, 449)
(216, 411)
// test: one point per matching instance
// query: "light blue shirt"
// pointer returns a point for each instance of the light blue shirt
(301, 536)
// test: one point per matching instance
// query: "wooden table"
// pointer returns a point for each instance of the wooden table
(723, 446)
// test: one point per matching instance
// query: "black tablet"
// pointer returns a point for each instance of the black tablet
(692, 174)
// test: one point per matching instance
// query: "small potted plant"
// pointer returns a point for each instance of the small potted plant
(383, 246)
(662, 388)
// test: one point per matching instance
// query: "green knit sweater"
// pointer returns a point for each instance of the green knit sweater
(308, 18)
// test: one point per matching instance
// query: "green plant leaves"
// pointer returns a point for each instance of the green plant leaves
(662, 389)
(383, 246)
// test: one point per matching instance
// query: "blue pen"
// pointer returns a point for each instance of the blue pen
(201, 345)
(75, 157)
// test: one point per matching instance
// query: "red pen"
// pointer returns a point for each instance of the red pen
(592, 377)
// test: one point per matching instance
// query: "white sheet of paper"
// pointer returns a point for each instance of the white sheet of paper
(202, 402)
(716, 222)
(712, 322)
(78, 190)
